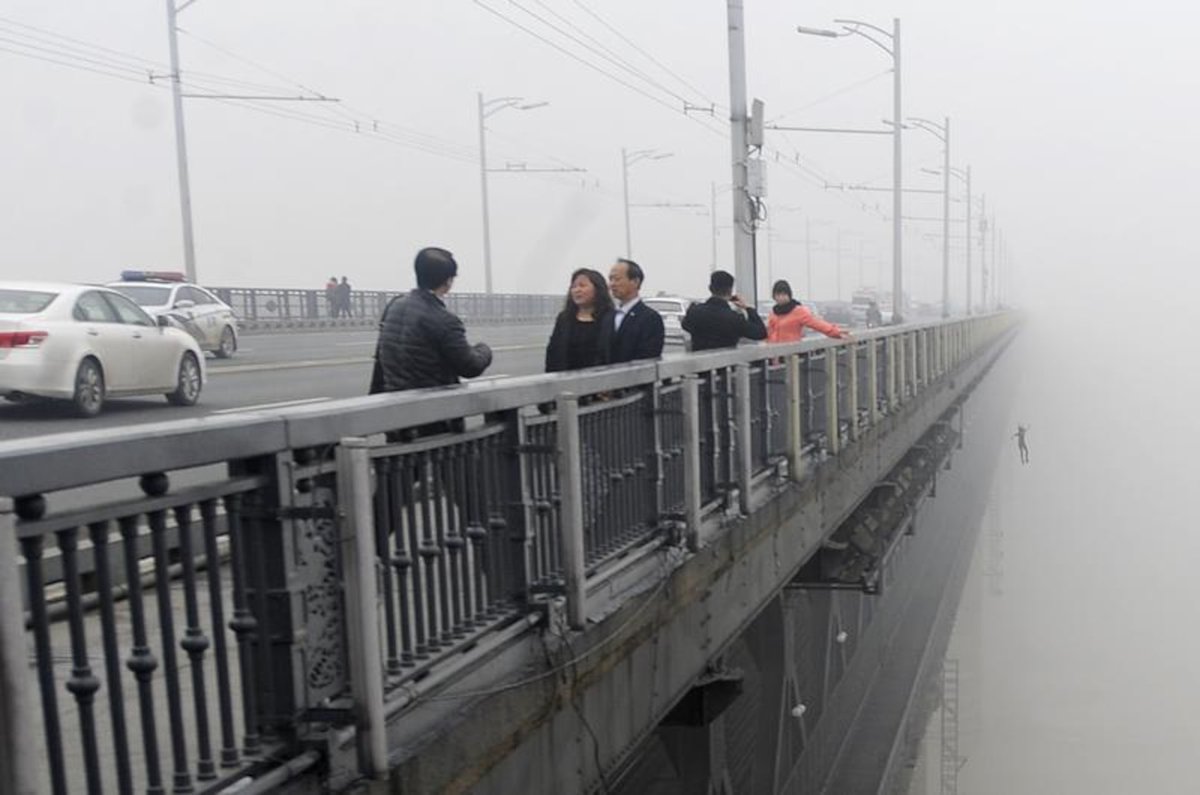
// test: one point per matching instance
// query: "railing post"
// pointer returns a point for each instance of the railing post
(692, 499)
(873, 380)
(890, 372)
(18, 762)
(832, 430)
(914, 372)
(741, 413)
(795, 418)
(926, 341)
(570, 487)
(357, 520)
(901, 369)
(852, 387)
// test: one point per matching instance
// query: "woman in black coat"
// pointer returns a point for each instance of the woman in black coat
(580, 336)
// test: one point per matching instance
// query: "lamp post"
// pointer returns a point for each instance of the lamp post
(488, 108)
(942, 133)
(627, 160)
(889, 42)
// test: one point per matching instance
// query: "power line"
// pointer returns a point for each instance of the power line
(835, 93)
(604, 52)
(646, 54)
(584, 61)
(77, 66)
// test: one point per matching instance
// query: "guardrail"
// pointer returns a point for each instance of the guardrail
(268, 305)
(374, 544)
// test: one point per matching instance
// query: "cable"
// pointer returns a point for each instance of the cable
(652, 59)
(69, 65)
(584, 61)
(836, 93)
(604, 52)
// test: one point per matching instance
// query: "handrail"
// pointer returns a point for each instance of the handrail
(75, 458)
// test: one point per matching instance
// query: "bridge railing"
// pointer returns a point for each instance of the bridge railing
(334, 561)
(261, 304)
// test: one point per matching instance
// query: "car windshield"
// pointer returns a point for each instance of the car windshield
(145, 294)
(665, 306)
(24, 302)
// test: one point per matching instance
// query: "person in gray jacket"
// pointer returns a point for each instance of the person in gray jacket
(421, 342)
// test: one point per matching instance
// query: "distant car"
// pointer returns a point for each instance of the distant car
(672, 309)
(839, 312)
(86, 344)
(197, 311)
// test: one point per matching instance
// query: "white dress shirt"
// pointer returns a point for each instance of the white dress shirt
(622, 310)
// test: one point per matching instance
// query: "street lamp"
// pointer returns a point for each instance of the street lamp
(489, 108)
(942, 133)
(882, 39)
(627, 160)
(963, 175)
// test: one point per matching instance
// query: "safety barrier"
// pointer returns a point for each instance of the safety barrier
(339, 556)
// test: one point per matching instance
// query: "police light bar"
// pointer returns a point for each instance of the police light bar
(157, 276)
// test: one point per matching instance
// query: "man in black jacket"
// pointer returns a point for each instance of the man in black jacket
(723, 319)
(637, 330)
(421, 343)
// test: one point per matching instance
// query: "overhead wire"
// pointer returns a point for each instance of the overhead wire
(648, 56)
(600, 49)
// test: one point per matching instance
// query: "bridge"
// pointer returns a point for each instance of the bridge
(722, 572)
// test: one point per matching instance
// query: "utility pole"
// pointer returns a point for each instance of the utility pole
(770, 255)
(983, 258)
(946, 225)
(897, 184)
(808, 259)
(970, 202)
(713, 216)
(994, 260)
(743, 223)
(486, 109)
(625, 194)
(627, 160)
(839, 264)
(483, 180)
(185, 190)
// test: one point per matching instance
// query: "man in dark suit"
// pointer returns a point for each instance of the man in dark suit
(637, 330)
(723, 319)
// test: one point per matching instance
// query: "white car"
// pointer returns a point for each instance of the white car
(85, 344)
(672, 310)
(197, 311)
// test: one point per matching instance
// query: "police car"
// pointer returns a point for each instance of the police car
(197, 311)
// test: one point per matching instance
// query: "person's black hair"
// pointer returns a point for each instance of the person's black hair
(602, 304)
(782, 286)
(633, 270)
(720, 283)
(434, 267)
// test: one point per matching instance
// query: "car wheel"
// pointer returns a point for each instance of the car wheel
(228, 344)
(89, 388)
(187, 383)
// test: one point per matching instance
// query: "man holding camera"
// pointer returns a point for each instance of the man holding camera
(724, 319)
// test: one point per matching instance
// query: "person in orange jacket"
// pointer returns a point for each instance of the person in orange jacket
(789, 318)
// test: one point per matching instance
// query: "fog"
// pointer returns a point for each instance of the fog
(1079, 122)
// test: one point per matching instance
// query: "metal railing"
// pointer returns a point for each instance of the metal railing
(259, 304)
(334, 560)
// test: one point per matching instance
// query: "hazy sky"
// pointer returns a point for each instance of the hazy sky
(1076, 118)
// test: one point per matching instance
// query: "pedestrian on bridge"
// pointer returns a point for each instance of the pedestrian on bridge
(331, 296)
(789, 318)
(421, 342)
(342, 298)
(637, 330)
(581, 337)
(724, 319)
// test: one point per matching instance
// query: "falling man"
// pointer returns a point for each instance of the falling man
(1022, 448)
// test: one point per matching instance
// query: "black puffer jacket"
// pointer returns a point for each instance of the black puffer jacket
(423, 344)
